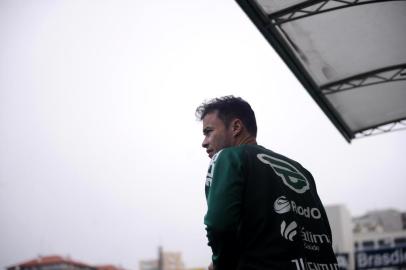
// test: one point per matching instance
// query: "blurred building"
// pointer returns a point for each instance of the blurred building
(51, 263)
(388, 220)
(149, 265)
(109, 267)
(166, 261)
(172, 261)
(379, 229)
(341, 228)
(375, 231)
(55, 262)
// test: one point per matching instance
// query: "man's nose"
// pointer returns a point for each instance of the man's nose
(205, 143)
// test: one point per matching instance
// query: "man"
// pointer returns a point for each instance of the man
(263, 208)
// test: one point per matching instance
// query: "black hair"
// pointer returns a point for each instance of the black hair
(229, 108)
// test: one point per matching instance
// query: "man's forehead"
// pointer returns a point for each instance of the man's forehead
(209, 122)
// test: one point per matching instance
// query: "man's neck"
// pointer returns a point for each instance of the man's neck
(248, 139)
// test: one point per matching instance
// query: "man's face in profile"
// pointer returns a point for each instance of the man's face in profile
(216, 135)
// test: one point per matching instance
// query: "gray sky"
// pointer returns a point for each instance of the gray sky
(100, 154)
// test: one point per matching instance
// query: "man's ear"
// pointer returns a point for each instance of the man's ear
(237, 127)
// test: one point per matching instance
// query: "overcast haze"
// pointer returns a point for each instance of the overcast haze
(100, 150)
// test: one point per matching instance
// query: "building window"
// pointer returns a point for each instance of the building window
(384, 243)
(400, 241)
(368, 244)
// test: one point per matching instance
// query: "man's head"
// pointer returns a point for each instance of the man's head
(227, 121)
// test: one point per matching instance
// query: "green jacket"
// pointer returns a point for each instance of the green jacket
(264, 213)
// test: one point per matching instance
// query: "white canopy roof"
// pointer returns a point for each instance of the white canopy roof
(350, 55)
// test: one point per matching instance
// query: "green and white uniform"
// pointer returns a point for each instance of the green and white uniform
(264, 213)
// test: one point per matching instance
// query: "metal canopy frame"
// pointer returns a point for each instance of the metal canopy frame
(314, 7)
(382, 75)
(393, 126)
(270, 24)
